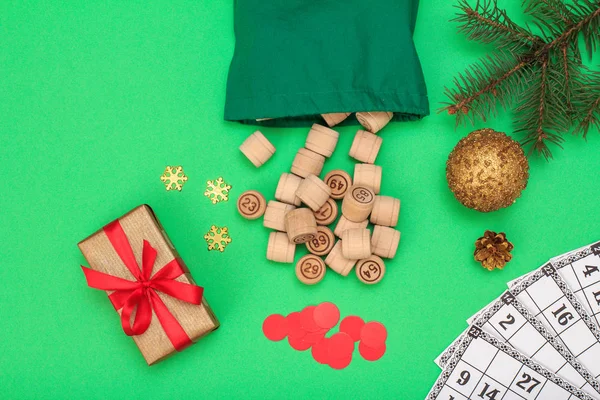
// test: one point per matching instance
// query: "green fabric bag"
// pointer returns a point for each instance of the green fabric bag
(297, 59)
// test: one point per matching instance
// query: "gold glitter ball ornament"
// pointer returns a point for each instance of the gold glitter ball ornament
(487, 170)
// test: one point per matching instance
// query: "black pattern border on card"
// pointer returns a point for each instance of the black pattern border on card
(450, 350)
(476, 333)
(570, 258)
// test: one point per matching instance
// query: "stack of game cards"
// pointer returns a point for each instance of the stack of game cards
(539, 340)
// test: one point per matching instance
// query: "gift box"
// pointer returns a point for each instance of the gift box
(149, 285)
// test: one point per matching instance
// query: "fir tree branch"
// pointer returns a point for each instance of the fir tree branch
(540, 134)
(570, 71)
(549, 119)
(489, 24)
(549, 12)
(567, 86)
(533, 124)
(545, 74)
(493, 79)
(588, 101)
(591, 118)
(588, 26)
(565, 61)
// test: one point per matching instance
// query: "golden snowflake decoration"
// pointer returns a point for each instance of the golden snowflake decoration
(174, 178)
(217, 190)
(217, 238)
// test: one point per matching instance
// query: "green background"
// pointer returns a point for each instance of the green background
(96, 98)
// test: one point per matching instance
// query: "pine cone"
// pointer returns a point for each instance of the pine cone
(493, 250)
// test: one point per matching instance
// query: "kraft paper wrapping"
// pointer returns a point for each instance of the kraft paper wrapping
(140, 224)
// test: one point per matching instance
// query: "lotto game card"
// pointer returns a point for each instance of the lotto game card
(549, 299)
(581, 270)
(509, 321)
(483, 367)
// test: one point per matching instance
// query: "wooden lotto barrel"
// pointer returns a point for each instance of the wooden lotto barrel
(251, 204)
(344, 224)
(370, 270)
(365, 147)
(327, 213)
(322, 243)
(332, 119)
(257, 149)
(279, 248)
(374, 121)
(384, 241)
(286, 189)
(300, 225)
(358, 203)
(310, 269)
(368, 175)
(338, 181)
(313, 192)
(275, 215)
(322, 140)
(386, 211)
(337, 262)
(356, 244)
(307, 162)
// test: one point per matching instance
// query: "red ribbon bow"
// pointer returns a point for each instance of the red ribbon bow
(141, 293)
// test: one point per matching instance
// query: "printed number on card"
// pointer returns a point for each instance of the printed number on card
(488, 392)
(563, 317)
(589, 270)
(464, 378)
(509, 321)
(528, 383)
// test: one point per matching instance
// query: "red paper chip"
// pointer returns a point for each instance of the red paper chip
(314, 337)
(373, 334)
(307, 320)
(340, 363)
(341, 345)
(326, 315)
(298, 343)
(275, 327)
(320, 351)
(352, 326)
(369, 353)
(294, 326)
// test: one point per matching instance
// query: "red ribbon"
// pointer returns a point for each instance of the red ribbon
(141, 293)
